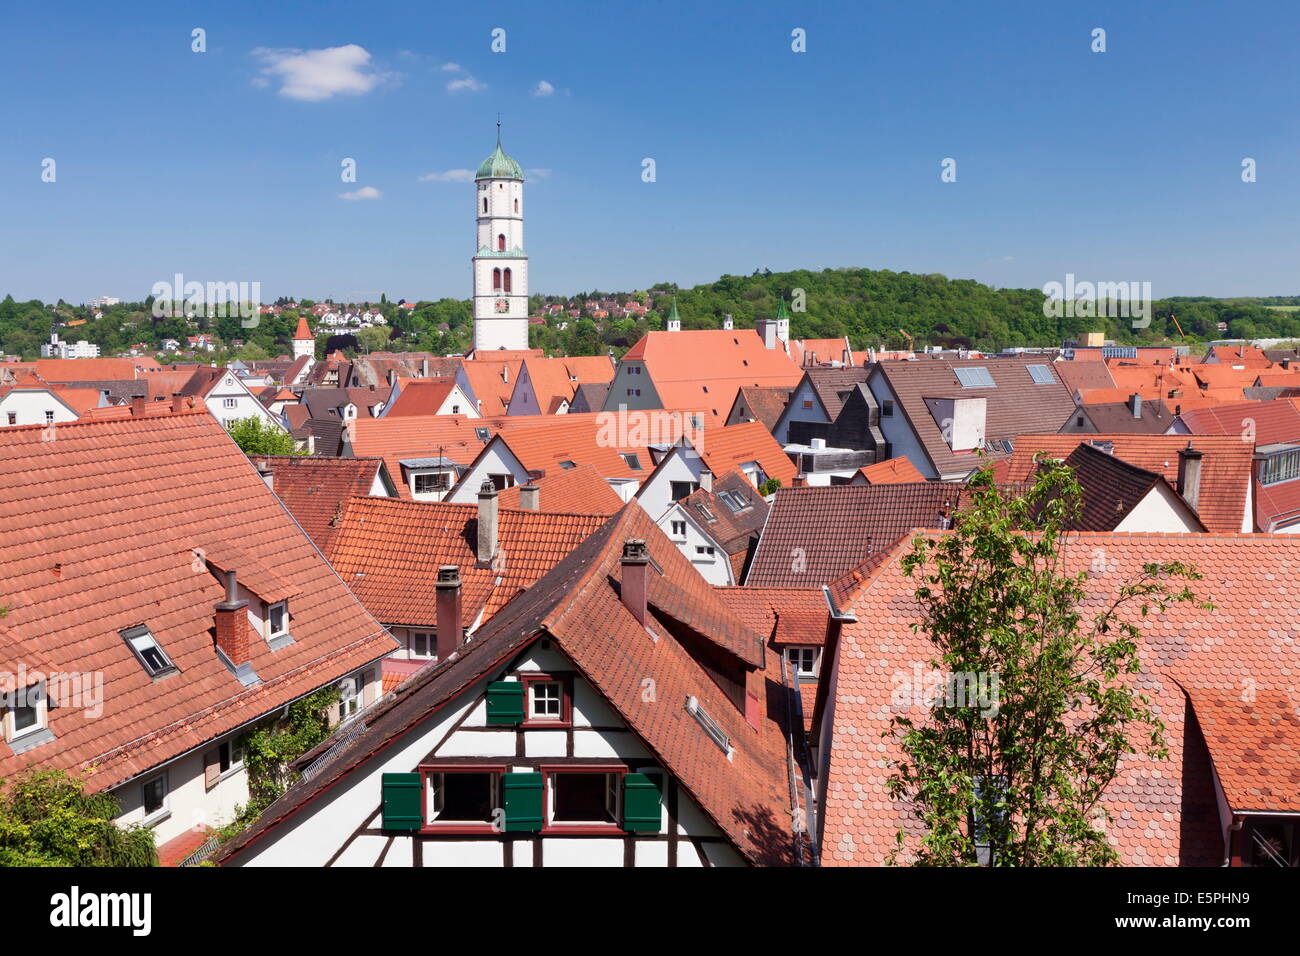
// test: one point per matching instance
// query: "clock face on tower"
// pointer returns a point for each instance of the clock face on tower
(502, 305)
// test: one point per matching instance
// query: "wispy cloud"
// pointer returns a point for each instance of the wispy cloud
(537, 173)
(450, 67)
(543, 88)
(465, 83)
(450, 176)
(365, 192)
(315, 75)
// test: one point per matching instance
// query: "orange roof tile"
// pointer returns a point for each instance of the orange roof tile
(421, 397)
(101, 530)
(1254, 741)
(726, 449)
(894, 471)
(314, 488)
(578, 490)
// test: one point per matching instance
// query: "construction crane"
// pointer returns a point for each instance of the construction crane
(909, 340)
(1181, 333)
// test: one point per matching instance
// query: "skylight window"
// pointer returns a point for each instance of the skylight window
(976, 376)
(481, 433)
(148, 650)
(733, 501)
(567, 464)
(711, 726)
(633, 461)
(1041, 374)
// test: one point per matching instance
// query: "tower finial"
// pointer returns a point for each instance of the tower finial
(498, 129)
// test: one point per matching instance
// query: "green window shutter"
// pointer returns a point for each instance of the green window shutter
(523, 801)
(505, 702)
(402, 810)
(642, 803)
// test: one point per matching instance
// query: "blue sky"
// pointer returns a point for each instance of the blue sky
(225, 165)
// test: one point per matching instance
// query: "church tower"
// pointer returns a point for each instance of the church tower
(304, 343)
(500, 266)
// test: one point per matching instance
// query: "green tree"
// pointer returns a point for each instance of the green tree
(1020, 781)
(48, 819)
(255, 436)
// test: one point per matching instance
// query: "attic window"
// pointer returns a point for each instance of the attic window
(481, 434)
(1041, 374)
(976, 376)
(633, 461)
(567, 463)
(711, 726)
(733, 501)
(148, 650)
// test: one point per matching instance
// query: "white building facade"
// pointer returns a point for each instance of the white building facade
(500, 265)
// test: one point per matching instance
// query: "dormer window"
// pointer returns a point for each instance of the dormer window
(26, 713)
(148, 651)
(803, 660)
(277, 620)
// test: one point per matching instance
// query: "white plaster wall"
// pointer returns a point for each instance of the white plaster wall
(1161, 510)
(30, 407)
(896, 429)
(657, 492)
(498, 460)
(795, 412)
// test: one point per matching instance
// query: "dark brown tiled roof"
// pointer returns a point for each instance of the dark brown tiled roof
(1014, 406)
(732, 529)
(577, 605)
(1111, 488)
(1155, 416)
(833, 385)
(816, 534)
(1076, 376)
(764, 402)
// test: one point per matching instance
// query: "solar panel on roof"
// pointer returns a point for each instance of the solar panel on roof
(1119, 351)
(1041, 374)
(975, 377)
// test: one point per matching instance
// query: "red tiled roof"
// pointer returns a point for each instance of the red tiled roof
(1254, 741)
(782, 615)
(101, 527)
(764, 402)
(578, 490)
(421, 396)
(1269, 423)
(555, 379)
(725, 449)
(892, 472)
(1164, 811)
(1225, 468)
(303, 332)
(1078, 375)
(314, 488)
(577, 606)
(87, 369)
(389, 551)
(1110, 488)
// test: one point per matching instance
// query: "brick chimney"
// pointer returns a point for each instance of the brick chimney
(1189, 475)
(633, 581)
(178, 402)
(530, 497)
(233, 631)
(137, 405)
(487, 522)
(450, 635)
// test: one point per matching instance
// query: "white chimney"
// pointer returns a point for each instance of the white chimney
(487, 522)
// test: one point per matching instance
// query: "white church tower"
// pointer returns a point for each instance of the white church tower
(500, 266)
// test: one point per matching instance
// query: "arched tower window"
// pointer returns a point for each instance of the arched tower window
(485, 203)
(496, 280)
(501, 242)
(507, 277)
(516, 205)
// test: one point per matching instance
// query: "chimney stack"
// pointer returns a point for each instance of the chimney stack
(706, 479)
(232, 625)
(268, 476)
(450, 635)
(424, 368)
(799, 481)
(1135, 404)
(178, 402)
(487, 522)
(529, 497)
(1189, 475)
(137, 405)
(633, 581)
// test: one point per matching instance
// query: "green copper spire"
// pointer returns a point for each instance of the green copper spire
(672, 313)
(499, 165)
(781, 313)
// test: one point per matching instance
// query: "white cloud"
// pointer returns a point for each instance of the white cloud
(543, 89)
(365, 192)
(450, 176)
(315, 75)
(537, 173)
(450, 67)
(466, 82)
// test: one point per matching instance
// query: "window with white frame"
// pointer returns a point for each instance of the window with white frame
(26, 712)
(704, 550)
(545, 700)
(803, 660)
(584, 797)
(679, 529)
(431, 482)
(423, 644)
(277, 619)
(230, 756)
(461, 796)
(229, 402)
(351, 690)
(153, 796)
(49, 418)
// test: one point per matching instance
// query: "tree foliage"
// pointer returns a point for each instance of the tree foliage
(255, 436)
(1020, 783)
(48, 819)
